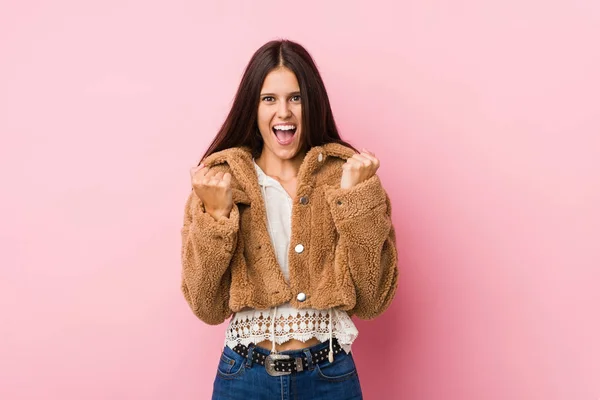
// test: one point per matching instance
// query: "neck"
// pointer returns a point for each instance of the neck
(283, 170)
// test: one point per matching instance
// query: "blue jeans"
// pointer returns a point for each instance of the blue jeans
(238, 378)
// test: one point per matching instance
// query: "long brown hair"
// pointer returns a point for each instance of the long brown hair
(240, 127)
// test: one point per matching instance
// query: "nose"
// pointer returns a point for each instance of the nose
(283, 111)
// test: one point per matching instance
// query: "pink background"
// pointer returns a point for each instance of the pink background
(485, 115)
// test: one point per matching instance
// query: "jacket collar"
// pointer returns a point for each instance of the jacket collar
(245, 179)
(244, 152)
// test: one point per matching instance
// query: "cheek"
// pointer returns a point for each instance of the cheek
(263, 117)
(298, 113)
(263, 122)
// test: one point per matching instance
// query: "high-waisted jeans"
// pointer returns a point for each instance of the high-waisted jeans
(238, 378)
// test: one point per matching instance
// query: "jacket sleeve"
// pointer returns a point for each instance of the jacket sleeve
(366, 244)
(206, 252)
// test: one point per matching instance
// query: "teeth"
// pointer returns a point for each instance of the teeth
(284, 127)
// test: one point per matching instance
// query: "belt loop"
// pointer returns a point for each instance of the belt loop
(249, 356)
(309, 360)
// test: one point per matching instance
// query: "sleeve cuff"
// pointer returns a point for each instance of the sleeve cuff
(224, 229)
(356, 201)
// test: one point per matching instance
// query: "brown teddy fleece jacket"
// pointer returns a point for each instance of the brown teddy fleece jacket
(342, 247)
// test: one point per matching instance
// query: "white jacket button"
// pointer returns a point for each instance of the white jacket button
(299, 248)
(301, 296)
(320, 157)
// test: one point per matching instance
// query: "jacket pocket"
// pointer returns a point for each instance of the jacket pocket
(230, 365)
(341, 369)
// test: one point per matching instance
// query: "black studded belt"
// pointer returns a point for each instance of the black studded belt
(278, 364)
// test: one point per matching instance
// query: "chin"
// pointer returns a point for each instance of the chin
(287, 154)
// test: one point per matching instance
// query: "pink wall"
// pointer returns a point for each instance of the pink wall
(485, 115)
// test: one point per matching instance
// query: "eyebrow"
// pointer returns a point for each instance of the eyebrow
(274, 95)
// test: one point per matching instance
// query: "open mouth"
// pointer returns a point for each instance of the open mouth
(285, 133)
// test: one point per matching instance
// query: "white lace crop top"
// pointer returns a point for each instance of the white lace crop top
(282, 323)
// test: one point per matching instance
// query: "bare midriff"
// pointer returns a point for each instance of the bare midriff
(292, 344)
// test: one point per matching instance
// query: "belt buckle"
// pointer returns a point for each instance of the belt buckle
(270, 364)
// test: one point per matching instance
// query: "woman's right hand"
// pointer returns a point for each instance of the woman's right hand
(214, 190)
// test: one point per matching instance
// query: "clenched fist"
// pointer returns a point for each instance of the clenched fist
(358, 168)
(214, 190)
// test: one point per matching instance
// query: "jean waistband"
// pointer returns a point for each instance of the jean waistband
(298, 352)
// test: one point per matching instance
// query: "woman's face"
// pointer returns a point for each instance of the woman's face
(280, 114)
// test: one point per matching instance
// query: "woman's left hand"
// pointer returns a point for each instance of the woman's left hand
(358, 168)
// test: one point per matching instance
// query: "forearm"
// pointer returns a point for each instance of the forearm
(366, 244)
(207, 249)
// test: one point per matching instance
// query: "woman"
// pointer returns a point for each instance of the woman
(289, 229)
